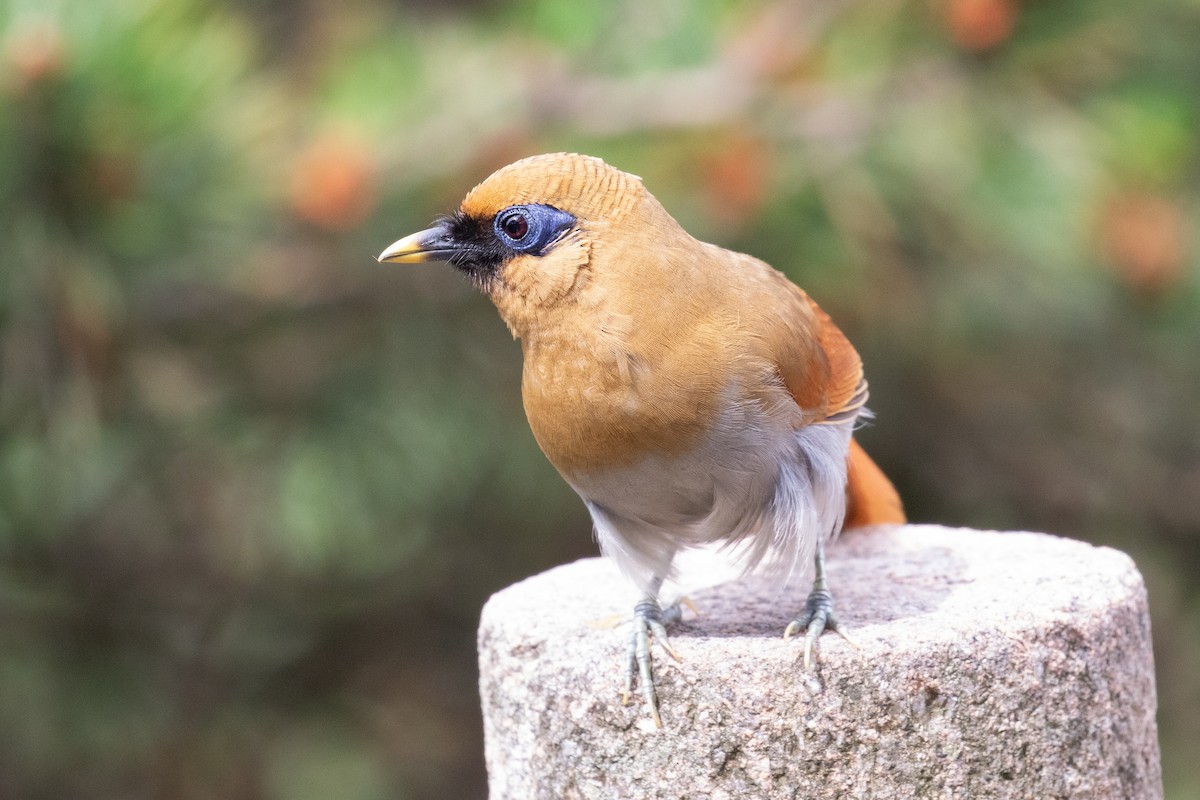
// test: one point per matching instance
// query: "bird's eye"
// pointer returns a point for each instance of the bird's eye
(515, 226)
(531, 228)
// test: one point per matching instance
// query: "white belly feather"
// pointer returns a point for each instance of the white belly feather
(767, 491)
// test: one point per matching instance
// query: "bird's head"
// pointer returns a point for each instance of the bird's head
(528, 235)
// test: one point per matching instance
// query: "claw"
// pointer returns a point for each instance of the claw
(674, 612)
(818, 614)
(817, 618)
(660, 635)
(649, 623)
(840, 631)
(645, 673)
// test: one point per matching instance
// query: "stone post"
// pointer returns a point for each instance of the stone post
(988, 665)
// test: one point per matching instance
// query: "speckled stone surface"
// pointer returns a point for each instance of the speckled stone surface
(990, 665)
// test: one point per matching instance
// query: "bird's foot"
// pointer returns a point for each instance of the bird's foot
(650, 621)
(817, 618)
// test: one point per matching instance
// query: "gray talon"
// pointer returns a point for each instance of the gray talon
(649, 622)
(818, 615)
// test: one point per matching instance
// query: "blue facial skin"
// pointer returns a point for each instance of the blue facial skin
(479, 247)
(531, 228)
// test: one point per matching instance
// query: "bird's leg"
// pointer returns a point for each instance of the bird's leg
(650, 621)
(818, 613)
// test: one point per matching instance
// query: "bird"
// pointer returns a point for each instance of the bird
(690, 395)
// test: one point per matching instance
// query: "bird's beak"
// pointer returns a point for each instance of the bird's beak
(432, 244)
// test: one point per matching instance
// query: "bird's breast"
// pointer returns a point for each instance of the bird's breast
(594, 403)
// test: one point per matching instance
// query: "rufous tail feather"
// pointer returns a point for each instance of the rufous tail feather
(870, 497)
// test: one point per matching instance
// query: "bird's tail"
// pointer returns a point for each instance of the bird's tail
(870, 497)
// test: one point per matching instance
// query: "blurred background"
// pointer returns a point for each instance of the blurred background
(255, 488)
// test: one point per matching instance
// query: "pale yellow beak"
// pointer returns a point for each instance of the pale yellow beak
(432, 244)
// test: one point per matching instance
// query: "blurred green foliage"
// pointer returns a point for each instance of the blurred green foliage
(254, 488)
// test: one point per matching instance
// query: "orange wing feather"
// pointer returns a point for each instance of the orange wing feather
(847, 389)
(826, 380)
(870, 497)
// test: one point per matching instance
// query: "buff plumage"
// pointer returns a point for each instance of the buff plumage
(691, 395)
